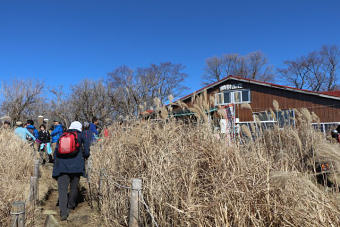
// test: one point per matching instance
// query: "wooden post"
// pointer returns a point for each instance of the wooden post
(134, 202)
(36, 168)
(18, 214)
(50, 221)
(100, 194)
(33, 196)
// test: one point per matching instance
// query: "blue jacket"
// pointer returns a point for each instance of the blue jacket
(93, 129)
(35, 131)
(23, 132)
(56, 133)
(74, 165)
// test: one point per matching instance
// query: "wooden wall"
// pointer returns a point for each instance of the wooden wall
(262, 98)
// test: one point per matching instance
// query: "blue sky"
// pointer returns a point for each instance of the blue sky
(63, 42)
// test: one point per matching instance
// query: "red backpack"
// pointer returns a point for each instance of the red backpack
(68, 145)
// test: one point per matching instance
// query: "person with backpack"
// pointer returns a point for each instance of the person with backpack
(72, 149)
(45, 145)
(56, 133)
(30, 127)
(22, 132)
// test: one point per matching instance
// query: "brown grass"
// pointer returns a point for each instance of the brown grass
(192, 178)
(16, 166)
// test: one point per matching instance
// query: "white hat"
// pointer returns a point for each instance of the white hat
(76, 125)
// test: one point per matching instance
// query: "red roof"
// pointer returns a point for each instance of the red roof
(239, 78)
(332, 93)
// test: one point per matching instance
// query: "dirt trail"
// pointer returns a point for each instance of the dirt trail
(83, 215)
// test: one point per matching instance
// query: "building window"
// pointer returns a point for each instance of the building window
(246, 96)
(263, 116)
(228, 97)
(281, 117)
(237, 97)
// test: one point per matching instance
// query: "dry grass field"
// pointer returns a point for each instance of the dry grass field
(16, 166)
(193, 178)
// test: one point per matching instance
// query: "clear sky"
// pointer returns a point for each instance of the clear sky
(64, 41)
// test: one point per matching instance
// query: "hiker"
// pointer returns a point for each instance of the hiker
(69, 164)
(56, 133)
(93, 129)
(108, 122)
(30, 127)
(45, 145)
(6, 125)
(86, 131)
(22, 132)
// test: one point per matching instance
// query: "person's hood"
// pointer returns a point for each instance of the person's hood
(30, 127)
(57, 126)
(76, 125)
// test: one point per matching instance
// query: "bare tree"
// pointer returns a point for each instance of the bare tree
(213, 70)
(122, 91)
(21, 98)
(295, 72)
(90, 99)
(253, 66)
(317, 77)
(257, 68)
(129, 88)
(61, 106)
(316, 71)
(160, 81)
(330, 56)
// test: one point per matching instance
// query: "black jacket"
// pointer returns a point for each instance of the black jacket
(44, 136)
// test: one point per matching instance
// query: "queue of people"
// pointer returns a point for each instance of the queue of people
(68, 150)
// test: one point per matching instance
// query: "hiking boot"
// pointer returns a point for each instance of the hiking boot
(64, 217)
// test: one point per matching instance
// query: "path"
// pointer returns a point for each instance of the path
(83, 215)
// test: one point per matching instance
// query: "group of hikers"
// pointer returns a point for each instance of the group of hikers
(67, 149)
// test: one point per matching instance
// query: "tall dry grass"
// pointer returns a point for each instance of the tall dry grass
(16, 166)
(192, 178)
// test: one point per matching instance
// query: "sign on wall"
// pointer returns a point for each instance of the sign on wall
(231, 87)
